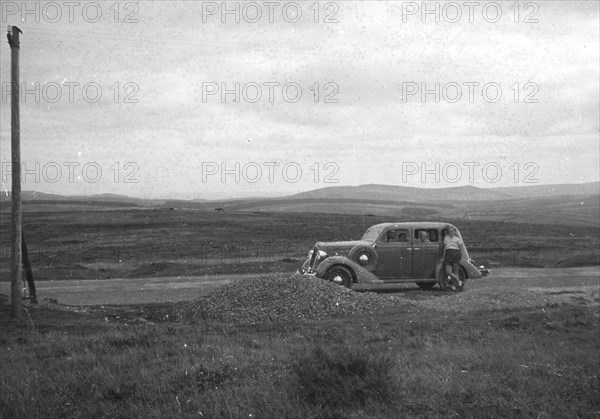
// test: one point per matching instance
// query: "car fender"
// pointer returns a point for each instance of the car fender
(306, 264)
(362, 276)
(470, 270)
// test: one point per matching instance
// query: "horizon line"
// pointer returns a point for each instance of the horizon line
(256, 194)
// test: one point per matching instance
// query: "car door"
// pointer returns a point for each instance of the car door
(426, 254)
(394, 250)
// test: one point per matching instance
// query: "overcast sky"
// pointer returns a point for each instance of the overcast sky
(361, 117)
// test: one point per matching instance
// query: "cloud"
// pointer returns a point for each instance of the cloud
(369, 58)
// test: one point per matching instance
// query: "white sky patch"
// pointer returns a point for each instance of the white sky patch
(134, 97)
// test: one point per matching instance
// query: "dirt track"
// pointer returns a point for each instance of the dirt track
(165, 289)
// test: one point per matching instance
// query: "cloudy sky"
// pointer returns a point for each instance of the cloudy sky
(298, 96)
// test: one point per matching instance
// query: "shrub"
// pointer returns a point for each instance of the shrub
(346, 376)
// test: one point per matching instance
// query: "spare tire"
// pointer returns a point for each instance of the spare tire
(448, 285)
(365, 257)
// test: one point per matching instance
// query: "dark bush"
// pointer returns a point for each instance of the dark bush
(345, 377)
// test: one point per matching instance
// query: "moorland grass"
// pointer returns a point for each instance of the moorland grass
(511, 363)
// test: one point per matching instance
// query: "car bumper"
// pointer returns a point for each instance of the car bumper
(305, 272)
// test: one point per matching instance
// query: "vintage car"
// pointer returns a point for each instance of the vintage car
(391, 253)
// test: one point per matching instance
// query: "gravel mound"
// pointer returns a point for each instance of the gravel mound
(285, 297)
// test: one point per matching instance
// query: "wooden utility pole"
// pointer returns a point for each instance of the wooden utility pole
(28, 270)
(15, 147)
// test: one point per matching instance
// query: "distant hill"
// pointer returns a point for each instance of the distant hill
(561, 204)
(370, 192)
(540, 191)
(33, 195)
(39, 201)
(40, 196)
(401, 193)
(577, 204)
(459, 193)
(573, 209)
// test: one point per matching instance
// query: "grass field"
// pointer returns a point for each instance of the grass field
(146, 361)
(135, 242)
(139, 361)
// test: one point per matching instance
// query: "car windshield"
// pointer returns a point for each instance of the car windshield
(372, 233)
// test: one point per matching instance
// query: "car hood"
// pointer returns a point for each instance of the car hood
(342, 246)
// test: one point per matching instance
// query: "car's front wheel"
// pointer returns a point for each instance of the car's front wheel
(339, 275)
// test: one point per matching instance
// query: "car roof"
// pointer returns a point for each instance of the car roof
(414, 224)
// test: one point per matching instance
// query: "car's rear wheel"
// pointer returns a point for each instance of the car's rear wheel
(449, 284)
(339, 275)
(426, 285)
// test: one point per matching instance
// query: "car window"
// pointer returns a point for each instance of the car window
(433, 235)
(397, 235)
(372, 233)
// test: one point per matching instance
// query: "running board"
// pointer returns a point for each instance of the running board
(407, 280)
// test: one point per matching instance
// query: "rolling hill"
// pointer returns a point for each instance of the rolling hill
(539, 191)
(575, 204)
(459, 193)
(403, 193)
